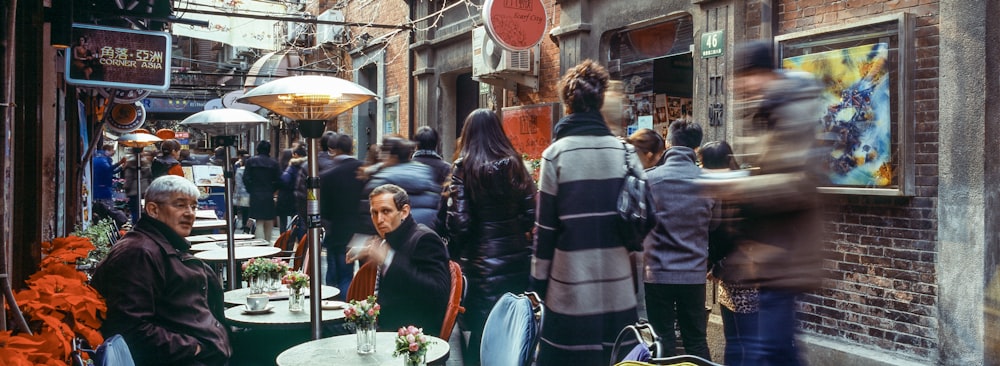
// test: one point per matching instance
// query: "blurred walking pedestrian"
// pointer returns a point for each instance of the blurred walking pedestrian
(427, 154)
(776, 237)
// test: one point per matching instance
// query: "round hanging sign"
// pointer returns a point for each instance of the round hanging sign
(516, 25)
(125, 118)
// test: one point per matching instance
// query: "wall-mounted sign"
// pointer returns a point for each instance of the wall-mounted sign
(713, 44)
(529, 128)
(118, 58)
(515, 24)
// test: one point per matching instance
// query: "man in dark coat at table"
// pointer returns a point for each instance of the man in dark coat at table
(165, 303)
(413, 280)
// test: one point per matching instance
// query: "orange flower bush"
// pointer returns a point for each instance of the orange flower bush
(59, 305)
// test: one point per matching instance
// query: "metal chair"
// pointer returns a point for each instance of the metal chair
(511, 333)
(454, 300)
(363, 284)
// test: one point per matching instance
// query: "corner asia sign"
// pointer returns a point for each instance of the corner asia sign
(515, 24)
(118, 58)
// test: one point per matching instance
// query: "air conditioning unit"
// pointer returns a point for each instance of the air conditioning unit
(328, 32)
(297, 32)
(489, 58)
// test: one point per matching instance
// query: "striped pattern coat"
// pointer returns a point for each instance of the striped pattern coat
(580, 265)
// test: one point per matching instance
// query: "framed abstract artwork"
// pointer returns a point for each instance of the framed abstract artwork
(866, 69)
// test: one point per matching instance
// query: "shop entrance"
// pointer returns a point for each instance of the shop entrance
(655, 66)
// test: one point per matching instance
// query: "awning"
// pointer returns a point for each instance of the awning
(234, 31)
(272, 66)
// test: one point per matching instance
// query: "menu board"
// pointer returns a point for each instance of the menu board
(208, 175)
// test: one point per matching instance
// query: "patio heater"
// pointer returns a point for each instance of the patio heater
(138, 141)
(311, 101)
(224, 124)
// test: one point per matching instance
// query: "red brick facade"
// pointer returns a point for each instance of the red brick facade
(396, 78)
(881, 289)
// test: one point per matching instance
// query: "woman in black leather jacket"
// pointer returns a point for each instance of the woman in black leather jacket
(489, 219)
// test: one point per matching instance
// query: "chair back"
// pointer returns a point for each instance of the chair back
(114, 352)
(511, 331)
(300, 253)
(641, 339)
(282, 241)
(306, 261)
(454, 300)
(363, 284)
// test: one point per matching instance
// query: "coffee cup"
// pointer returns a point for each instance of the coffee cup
(257, 302)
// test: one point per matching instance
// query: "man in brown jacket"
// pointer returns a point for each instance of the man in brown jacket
(165, 303)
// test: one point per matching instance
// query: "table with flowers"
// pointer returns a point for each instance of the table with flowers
(280, 317)
(342, 350)
(239, 296)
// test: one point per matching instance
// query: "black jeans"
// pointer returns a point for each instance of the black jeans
(685, 304)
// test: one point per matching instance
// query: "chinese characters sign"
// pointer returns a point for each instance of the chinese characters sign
(529, 128)
(118, 58)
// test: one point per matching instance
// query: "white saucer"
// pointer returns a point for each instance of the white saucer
(333, 305)
(265, 310)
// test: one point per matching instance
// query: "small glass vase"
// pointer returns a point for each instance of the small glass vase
(366, 337)
(296, 299)
(414, 360)
(254, 283)
(273, 282)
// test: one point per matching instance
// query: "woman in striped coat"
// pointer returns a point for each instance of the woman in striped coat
(581, 266)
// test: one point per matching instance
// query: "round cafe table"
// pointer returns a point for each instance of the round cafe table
(222, 245)
(239, 296)
(279, 317)
(242, 253)
(342, 350)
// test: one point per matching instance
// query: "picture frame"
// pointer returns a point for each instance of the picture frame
(867, 71)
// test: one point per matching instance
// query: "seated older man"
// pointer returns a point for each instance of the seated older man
(165, 303)
(413, 280)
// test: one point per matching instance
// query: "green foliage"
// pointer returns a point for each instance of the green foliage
(98, 235)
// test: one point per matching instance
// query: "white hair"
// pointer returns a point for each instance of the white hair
(163, 187)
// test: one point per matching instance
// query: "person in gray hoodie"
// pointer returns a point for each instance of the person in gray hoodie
(676, 250)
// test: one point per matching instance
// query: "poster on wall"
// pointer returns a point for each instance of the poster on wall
(529, 129)
(857, 101)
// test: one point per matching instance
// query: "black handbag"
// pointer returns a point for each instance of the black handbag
(635, 209)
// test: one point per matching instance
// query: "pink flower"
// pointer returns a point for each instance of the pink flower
(401, 332)
(412, 330)
(371, 312)
(377, 307)
(414, 347)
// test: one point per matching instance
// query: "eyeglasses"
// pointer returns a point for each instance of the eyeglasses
(181, 206)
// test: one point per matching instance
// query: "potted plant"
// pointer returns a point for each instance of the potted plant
(59, 306)
(362, 316)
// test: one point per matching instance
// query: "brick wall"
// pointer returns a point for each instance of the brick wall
(393, 12)
(548, 71)
(881, 253)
